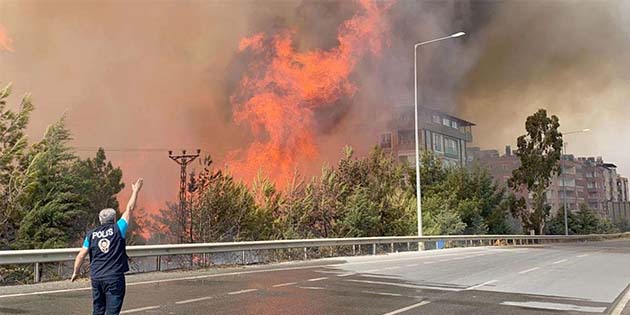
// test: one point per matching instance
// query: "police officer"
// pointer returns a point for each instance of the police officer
(108, 259)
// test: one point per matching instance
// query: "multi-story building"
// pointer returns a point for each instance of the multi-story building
(442, 133)
(584, 180)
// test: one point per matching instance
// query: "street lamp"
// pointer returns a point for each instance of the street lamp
(415, 85)
(564, 183)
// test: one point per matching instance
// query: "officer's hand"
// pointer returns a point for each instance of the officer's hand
(137, 185)
(74, 277)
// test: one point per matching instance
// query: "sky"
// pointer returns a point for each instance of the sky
(162, 74)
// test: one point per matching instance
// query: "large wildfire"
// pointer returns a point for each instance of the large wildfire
(5, 41)
(283, 88)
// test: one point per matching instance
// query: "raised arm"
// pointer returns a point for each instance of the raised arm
(135, 189)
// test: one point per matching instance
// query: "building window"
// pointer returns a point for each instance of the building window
(437, 142)
(567, 182)
(453, 124)
(406, 137)
(446, 122)
(590, 185)
(386, 141)
(436, 119)
(451, 147)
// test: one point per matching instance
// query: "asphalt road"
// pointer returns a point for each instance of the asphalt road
(585, 278)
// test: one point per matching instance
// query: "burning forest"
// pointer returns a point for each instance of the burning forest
(283, 88)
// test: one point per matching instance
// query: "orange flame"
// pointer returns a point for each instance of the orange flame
(5, 41)
(283, 88)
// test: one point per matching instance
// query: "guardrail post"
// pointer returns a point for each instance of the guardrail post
(243, 257)
(373, 249)
(305, 254)
(392, 247)
(408, 246)
(36, 271)
(158, 263)
(354, 251)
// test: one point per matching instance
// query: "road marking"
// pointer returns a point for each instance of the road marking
(404, 285)
(382, 293)
(44, 292)
(140, 309)
(622, 304)
(528, 270)
(312, 288)
(583, 255)
(482, 284)
(382, 277)
(242, 291)
(391, 268)
(283, 284)
(559, 261)
(556, 306)
(412, 265)
(429, 262)
(317, 279)
(404, 309)
(236, 273)
(194, 300)
(371, 270)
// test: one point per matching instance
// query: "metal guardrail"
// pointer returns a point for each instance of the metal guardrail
(37, 256)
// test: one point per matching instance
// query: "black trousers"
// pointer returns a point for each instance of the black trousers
(108, 295)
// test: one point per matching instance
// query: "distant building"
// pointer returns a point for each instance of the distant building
(442, 133)
(584, 180)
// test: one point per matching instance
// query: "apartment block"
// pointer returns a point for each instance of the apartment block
(442, 133)
(583, 180)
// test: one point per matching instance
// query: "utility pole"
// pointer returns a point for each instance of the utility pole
(183, 160)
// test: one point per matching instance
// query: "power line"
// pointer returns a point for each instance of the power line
(123, 149)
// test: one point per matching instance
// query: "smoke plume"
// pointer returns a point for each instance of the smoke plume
(571, 57)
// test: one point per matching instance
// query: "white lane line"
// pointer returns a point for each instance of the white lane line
(404, 309)
(283, 284)
(528, 270)
(559, 261)
(412, 286)
(371, 270)
(429, 262)
(583, 255)
(317, 279)
(482, 285)
(194, 300)
(242, 291)
(382, 277)
(140, 309)
(236, 273)
(391, 268)
(412, 265)
(556, 306)
(622, 304)
(312, 288)
(382, 293)
(45, 292)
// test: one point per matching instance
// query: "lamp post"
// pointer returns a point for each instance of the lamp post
(415, 85)
(564, 183)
